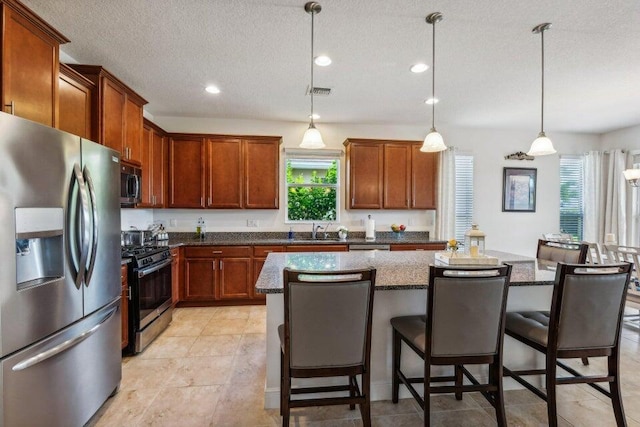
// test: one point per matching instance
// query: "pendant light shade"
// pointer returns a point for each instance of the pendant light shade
(312, 138)
(433, 142)
(542, 145)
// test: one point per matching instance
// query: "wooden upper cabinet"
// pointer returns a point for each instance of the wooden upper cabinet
(75, 102)
(424, 178)
(364, 174)
(224, 173)
(146, 193)
(261, 173)
(186, 172)
(30, 51)
(397, 173)
(117, 113)
(159, 165)
(387, 174)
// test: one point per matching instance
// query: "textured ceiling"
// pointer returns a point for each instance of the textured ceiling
(257, 53)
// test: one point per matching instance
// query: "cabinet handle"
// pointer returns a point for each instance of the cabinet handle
(214, 265)
(11, 105)
(209, 201)
(353, 201)
(220, 265)
(129, 294)
(201, 201)
(216, 252)
(267, 252)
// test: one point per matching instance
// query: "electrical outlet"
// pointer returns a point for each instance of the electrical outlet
(252, 223)
(173, 222)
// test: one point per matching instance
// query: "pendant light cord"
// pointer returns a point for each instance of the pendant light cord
(311, 88)
(433, 79)
(542, 97)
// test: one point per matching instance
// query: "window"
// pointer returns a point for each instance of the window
(571, 196)
(464, 194)
(312, 186)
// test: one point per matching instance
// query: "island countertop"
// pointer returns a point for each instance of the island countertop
(396, 270)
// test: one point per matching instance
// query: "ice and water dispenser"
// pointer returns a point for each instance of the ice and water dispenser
(39, 246)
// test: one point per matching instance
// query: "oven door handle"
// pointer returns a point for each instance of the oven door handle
(144, 272)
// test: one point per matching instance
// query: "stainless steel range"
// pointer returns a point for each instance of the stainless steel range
(150, 310)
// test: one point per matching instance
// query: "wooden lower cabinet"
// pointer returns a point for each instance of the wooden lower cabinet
(124, 307)
(421, 247)
(317, 248)
(175, 275)
(218, 274)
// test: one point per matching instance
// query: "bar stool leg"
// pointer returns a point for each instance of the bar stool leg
(614, 388)
(458, 382)
(427, 391)
(495, 375)
(395, 379)
(352, 391)
(552, 408)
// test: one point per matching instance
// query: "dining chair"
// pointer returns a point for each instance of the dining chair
(569, 252)
(327, 333)
(631, 254)
(463, 325)
(594, 253)
(585, 321)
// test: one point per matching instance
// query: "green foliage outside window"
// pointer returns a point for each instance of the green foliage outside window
(312, 203)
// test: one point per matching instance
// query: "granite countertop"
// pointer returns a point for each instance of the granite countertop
(396, 270)
(280, 239)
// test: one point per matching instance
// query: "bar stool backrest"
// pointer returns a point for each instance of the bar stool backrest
(588, 304)
(328, 317)
(568, 252)
(466, 309)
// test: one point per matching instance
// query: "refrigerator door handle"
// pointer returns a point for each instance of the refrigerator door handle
(84, 229)
(94, 228)
(63, 346)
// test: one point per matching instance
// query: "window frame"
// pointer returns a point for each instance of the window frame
(303, 154)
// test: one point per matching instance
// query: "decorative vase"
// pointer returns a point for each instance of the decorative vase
(342, 235)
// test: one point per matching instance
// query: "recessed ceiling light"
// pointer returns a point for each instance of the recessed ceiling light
(322, 60)
(432, 101)
(212, 89)
(419, 68)
(314, 116)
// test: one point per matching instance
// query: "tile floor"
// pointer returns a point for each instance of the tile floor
(208, 369)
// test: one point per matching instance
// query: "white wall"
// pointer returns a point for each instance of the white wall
(627, 138)
(514, 232)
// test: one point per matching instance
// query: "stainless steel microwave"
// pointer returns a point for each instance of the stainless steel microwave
(130, 185)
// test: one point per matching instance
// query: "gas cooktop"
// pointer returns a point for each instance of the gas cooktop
(145, 255)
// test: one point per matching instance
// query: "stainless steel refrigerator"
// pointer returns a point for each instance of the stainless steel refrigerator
(59, 275)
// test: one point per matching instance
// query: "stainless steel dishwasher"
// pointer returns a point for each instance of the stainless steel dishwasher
(369, 248)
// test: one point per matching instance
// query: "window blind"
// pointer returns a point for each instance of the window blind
(571, 195)
(464, 195)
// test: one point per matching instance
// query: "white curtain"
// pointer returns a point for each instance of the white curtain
(446, 213)
(593, 228)
(607, 197)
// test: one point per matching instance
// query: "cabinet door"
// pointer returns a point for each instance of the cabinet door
(175, 275)
(424, 179)
(258, 263)
(224, 173)
(147, 167)
(29, 70)
(235, 278)
(365, 175)
(124, 307)
(186, 173)
(200, 279)
(159, 151)
(397, 171)
(113, 117)
(75, 104)
(133, 131)
(261, 174)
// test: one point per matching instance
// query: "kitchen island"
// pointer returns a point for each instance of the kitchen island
(401, 281)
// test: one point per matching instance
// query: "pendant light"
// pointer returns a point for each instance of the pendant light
(312, 138)
(542, 145)
(433, 142)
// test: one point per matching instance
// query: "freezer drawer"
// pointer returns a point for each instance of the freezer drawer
(63, 380)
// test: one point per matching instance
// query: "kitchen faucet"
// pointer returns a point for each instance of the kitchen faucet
(314, 230)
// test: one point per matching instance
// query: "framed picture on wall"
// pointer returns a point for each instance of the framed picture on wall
(519, 190)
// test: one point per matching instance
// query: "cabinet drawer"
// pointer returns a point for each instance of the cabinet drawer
(263, 251)
(424, 247)
(217, 251)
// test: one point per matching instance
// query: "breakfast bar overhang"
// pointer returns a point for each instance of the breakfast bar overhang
(401, 281)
